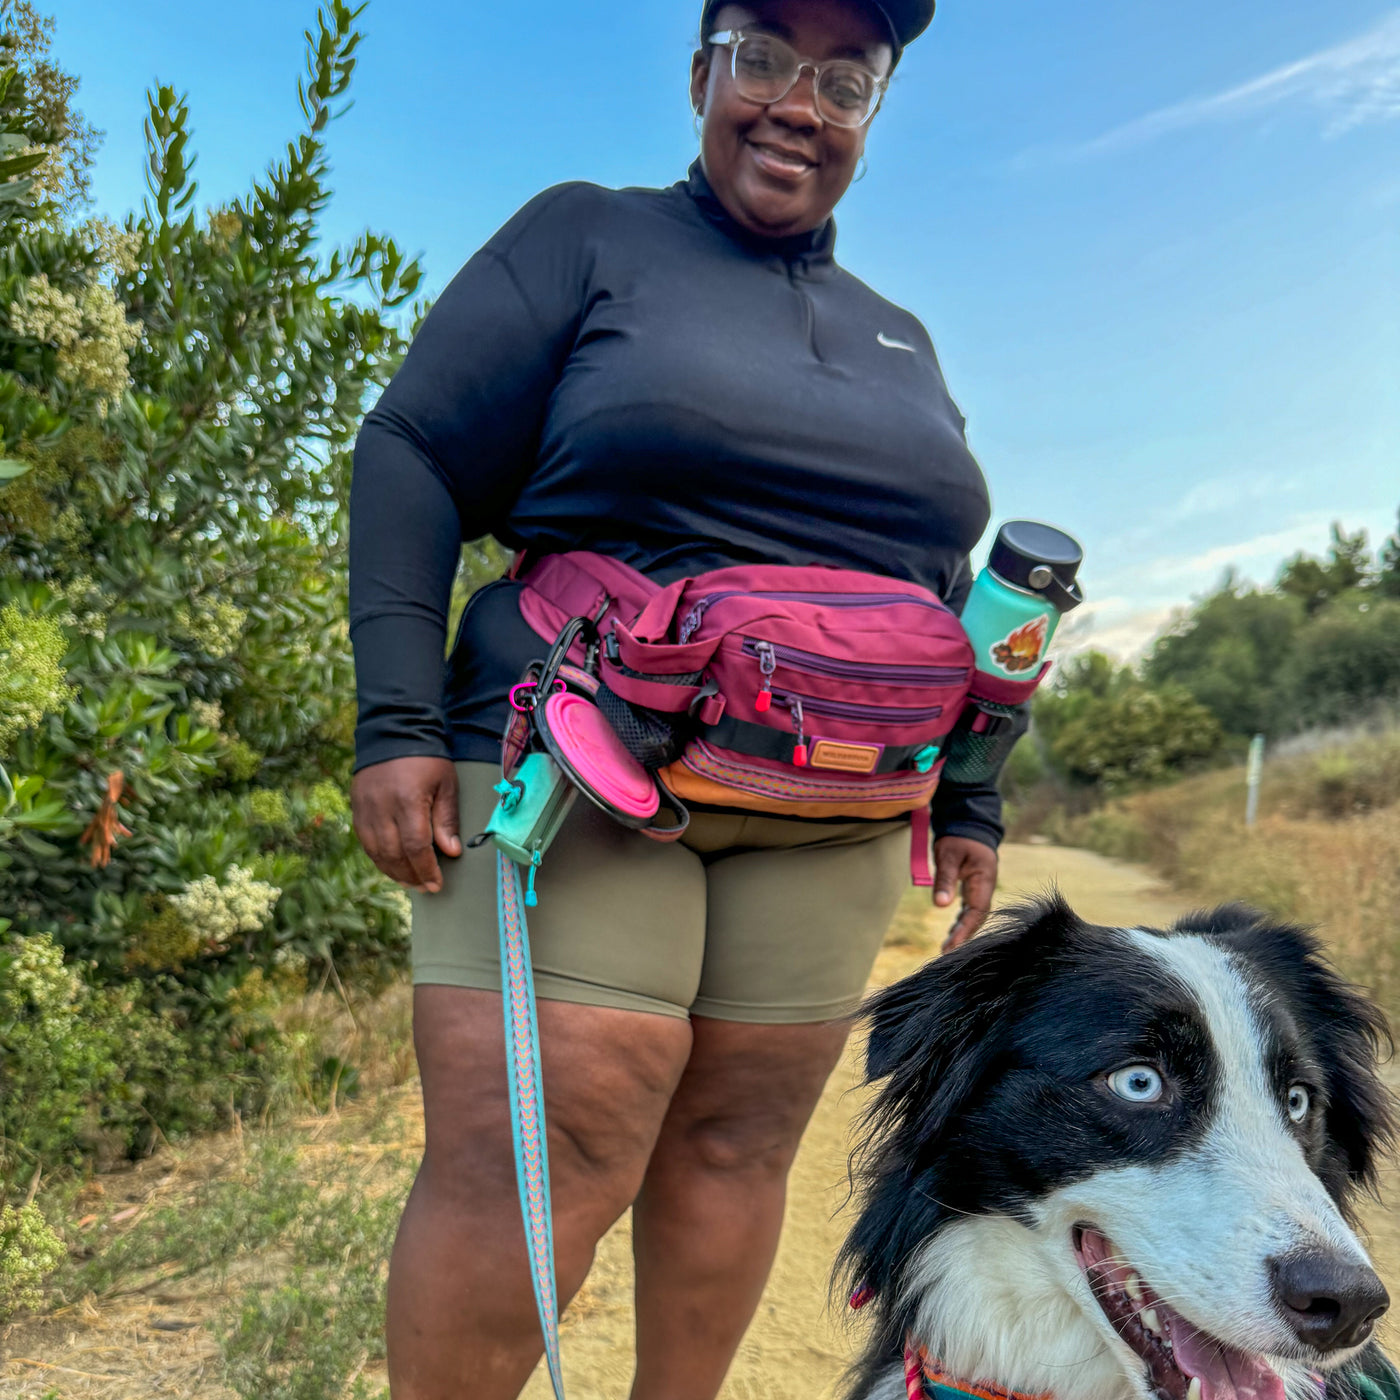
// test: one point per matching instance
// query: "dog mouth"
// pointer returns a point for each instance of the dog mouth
(1183, 1363)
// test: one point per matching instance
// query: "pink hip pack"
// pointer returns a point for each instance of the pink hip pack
(804, 691)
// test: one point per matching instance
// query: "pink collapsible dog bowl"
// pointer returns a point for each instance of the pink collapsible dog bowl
(587, 748)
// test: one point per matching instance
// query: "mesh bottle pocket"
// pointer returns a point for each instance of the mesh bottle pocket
(652, 738)
(983, 741)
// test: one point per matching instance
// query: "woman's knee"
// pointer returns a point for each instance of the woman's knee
(608, 1078)
(747, 1096)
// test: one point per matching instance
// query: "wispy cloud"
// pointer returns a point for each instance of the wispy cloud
(1112, 625)
(1350, 84)
(1204, 568)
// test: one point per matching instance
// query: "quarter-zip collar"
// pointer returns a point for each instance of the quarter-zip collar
(811, 254)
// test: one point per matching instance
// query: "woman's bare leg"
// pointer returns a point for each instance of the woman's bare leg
(706, 1224)
(461, 1312)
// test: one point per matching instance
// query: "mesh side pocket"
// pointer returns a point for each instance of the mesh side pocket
(978, 758)
(653, 739)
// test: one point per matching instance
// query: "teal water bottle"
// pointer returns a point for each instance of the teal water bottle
(1017, 601)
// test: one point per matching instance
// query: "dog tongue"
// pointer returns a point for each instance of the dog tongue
(1225, 1372)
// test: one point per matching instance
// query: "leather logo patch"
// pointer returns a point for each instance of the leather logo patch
(844, 758)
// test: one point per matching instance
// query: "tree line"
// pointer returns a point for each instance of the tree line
(1319, 647)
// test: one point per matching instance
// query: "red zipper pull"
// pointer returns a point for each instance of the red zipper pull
(799, 749)
(767, 664)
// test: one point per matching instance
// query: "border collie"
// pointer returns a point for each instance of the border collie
(1119, 1164)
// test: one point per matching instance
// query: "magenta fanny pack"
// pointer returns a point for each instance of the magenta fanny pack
(804, 691)
(819, 668)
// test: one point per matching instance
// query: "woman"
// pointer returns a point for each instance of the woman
(683, 379)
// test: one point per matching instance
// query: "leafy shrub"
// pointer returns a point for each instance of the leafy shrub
(1351, 663)
(1322, 647)
(100, 1071)
(178, 400)
(1107, 729)
(1228, 651)
(1336, 782)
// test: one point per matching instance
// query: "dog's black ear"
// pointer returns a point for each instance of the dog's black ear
(920, 1028)
(1352, 1038)
(1223, 919)
(1349, 1037)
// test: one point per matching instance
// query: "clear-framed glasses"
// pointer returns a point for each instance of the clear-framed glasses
(766, 70)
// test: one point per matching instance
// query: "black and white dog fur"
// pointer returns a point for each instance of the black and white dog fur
(1120, 1164)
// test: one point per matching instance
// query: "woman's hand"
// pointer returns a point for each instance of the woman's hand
(405, 812)
(958, 860)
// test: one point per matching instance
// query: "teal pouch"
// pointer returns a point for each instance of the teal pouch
(532, 808)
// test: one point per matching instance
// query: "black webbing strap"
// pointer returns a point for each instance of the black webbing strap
(759, 741)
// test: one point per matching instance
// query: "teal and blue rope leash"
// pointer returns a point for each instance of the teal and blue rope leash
(527, 1104)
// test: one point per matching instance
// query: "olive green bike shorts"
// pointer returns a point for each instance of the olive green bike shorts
(746, 918)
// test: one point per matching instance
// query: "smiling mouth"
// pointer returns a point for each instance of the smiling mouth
(781, 161)
(1183, 1363)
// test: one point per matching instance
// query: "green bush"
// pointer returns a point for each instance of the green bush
(1339, 781)
(1229, 651)
(99, 1072)
(178, 402)
(1106, 729)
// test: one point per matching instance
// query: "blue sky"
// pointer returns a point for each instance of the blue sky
(1158, 246)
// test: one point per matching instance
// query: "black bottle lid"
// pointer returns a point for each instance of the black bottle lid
(1040, 559)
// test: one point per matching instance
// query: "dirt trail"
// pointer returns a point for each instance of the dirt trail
(797, 1344)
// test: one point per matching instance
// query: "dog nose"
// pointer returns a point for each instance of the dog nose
(1330, 1301)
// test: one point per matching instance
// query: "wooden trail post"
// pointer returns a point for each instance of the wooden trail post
(1253, 773)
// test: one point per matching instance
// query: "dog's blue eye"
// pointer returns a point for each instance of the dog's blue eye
(1137, 1084)
(1299, 1101)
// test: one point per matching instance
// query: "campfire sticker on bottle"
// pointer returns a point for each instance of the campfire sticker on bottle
(1021, 649)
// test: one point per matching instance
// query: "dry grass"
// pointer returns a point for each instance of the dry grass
(165, 1256)
(1325, 850)
(170, 1258)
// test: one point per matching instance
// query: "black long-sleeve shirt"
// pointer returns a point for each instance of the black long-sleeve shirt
(633, 372)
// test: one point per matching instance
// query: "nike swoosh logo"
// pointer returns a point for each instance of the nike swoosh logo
(894, 344)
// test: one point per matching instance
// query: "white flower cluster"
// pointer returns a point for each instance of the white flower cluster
(87, 610)
(37, 979)
(224, 226)
(207, 714)
(213, 625)
(217, 911)
(90, 332)
(116, 248)
(46, 179)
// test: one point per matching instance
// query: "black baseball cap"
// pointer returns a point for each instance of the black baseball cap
(907, 18)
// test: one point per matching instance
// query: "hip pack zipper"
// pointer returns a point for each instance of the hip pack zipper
(843, 709)
(833, 600)
(852, 670)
